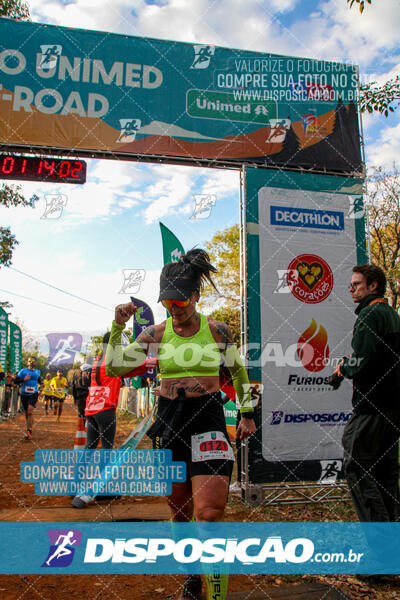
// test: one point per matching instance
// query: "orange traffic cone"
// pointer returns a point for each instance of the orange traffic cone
(80, 435)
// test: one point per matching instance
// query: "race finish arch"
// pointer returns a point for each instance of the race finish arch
(98, 94)
(292, 126)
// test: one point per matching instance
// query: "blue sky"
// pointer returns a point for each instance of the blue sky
(111, 223)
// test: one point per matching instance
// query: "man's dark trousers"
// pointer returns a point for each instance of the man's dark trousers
(371, 448)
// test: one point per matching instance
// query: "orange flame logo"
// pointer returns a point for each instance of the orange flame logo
(312, 347)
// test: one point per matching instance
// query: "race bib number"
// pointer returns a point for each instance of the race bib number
(29, 390)
(212, 445)
(47, 389)
(59, 390)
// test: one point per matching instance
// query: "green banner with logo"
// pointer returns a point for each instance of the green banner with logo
(98, 92)
(3, 338)
(15, 343)
(172, 248)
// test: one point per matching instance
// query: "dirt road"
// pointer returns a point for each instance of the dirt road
(19, 503)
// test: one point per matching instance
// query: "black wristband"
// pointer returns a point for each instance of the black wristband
(248, 414)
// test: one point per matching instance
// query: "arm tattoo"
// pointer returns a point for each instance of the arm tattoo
(143, 338)
(224, 331)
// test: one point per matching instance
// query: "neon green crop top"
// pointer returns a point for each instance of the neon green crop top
(194, 356)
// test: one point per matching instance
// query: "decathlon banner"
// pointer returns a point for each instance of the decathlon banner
(214, 548)
(15, 343)
(3, 338)
(99, 92)
(304, 234)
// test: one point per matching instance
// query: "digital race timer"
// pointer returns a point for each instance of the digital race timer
(31, 168)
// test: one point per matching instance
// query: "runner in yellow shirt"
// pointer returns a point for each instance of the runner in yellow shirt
(47, 393)
(59, 383)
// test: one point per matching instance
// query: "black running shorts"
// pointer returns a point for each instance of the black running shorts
(29, 400)
(195, 430)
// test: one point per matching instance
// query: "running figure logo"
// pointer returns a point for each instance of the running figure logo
(63, 347)
(62, 547)
(129, 128)
(203, 206)
(132, 280)
(277, 416)
(356, 207)
(55, 204)
(330, 469)
(278, 130)
(202, 56)
(287, 279)
(48, 58)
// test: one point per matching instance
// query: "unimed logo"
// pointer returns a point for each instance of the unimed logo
(307, 217)
(189, 550)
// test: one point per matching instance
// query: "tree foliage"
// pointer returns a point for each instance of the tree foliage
(380, 98)
(383, 205)
(15, 9)
(361, 3)
(10, 194)
(224, 254)
(230, 316)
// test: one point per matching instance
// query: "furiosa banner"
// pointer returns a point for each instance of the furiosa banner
(98, 92)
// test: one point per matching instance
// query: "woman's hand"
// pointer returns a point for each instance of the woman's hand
(124, 312)
(245, 428)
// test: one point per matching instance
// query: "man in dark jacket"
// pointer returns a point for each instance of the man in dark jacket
(371, 436)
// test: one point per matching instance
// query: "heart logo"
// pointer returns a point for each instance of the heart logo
(310, 273)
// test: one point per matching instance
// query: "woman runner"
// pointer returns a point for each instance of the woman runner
(190, 348)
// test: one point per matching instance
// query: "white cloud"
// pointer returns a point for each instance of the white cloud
(251, 25)
(386, 149)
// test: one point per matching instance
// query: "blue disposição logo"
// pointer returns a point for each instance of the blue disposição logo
(62, 547)
(279, 417)
(310, 218)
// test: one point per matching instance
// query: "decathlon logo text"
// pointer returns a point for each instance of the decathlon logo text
(332, 220)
